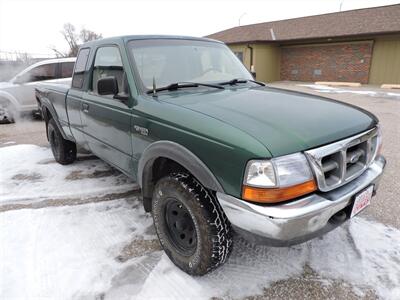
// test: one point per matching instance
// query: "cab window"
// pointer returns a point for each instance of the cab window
(80, 66)
(108, 63)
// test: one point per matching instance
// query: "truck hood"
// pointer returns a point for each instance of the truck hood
(284, 121)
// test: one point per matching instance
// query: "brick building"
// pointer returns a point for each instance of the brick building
(360, 45)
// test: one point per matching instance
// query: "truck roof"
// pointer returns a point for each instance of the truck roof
(126, 38)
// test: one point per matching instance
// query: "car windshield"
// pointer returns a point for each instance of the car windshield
(177, 60)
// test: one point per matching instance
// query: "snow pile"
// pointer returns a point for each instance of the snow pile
(30, 173)
(327, 89)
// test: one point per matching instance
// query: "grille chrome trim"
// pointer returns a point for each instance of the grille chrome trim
(336, 153)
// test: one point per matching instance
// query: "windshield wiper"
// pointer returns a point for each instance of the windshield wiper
(180, 85)
(241, 80)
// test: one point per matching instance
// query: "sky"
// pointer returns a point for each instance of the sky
(34, 26)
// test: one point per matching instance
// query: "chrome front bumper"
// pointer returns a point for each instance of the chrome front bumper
(300, 220)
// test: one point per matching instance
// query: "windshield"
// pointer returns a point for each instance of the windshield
(170, 61)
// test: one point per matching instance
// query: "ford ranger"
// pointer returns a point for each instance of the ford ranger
(213, 150)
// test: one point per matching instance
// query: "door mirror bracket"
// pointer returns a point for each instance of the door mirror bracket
(107, 86)
(123, 98)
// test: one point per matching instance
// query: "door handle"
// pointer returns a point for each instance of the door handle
(85, 107)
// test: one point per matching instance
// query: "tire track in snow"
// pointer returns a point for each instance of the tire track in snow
(29, 175)
(368, 261)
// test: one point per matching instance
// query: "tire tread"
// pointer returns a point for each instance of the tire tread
(222, 237)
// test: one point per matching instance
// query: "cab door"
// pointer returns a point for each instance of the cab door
(106, 119)
(73, 102)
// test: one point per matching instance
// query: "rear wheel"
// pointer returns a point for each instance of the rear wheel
(191, 226)
(64, 151)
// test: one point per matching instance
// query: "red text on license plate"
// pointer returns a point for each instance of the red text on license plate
(362, 200)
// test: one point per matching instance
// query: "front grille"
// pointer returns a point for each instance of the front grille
(338, 163)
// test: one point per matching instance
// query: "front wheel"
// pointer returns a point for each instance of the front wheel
(64, 151)
(191, 226)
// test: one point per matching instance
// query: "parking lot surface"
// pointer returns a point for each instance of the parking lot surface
(79, 231)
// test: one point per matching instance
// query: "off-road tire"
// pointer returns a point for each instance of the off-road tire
(64, 151)
(213, 231)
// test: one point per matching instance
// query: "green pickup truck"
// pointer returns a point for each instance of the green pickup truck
(214, 151)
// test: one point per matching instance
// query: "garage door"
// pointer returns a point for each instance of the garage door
(385, 66)
(327, 62)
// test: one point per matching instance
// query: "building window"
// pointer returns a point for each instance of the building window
(239, 55)
(317, 72)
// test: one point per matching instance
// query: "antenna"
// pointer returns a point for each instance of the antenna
(154, 87)
(242, 15)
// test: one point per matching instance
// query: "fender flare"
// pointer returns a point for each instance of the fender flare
(180, 155)
(46, 104)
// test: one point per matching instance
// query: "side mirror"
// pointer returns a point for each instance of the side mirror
(107, 86)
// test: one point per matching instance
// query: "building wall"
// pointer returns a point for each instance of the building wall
(374, 61)
(385, 67)
(327, 62)
(242, 48)
(267, 60)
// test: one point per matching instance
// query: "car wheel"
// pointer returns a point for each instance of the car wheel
(190, 223)
(6, 114)
(64, 151)
(37, 115)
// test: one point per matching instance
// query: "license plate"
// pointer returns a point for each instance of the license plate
(362, 200)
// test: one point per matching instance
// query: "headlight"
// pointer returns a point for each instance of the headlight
(260, 173)
(278, 179)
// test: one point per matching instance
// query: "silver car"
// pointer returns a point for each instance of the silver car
(17, 96)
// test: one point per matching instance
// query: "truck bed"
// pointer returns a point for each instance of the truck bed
(55, 92)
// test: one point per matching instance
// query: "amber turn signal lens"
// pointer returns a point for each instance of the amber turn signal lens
(267, 195)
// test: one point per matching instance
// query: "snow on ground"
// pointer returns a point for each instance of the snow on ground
(364, 254)
(327, 89)
(65, 252)
(29, 172)
(109, 249)
(70, 252)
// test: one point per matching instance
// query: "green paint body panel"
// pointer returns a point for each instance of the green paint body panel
(223, 128)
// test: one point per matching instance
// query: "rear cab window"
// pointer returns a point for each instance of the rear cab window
(80, 66)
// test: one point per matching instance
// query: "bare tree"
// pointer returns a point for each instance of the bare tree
(88, 35)
(71, 38)
(57, 52)
(74, 39)
(23, 57)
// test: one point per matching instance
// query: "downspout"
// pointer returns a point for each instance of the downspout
(252, 69)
